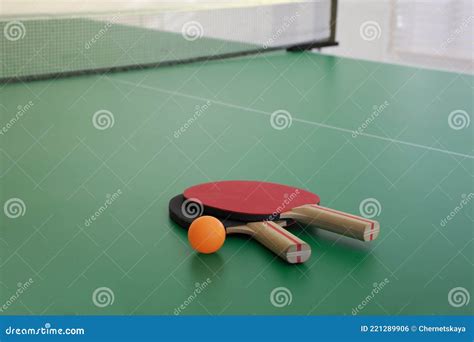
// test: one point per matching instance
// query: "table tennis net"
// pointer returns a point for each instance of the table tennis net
(50, 46)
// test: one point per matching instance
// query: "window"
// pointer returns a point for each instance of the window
(438, 28)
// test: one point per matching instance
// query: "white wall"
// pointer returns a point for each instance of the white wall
(438, 35)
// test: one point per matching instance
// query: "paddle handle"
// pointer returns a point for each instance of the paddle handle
(286, 245)
(337, 221)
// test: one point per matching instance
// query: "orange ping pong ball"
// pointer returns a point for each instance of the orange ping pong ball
(206, 234)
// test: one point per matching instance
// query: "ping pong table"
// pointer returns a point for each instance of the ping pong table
(89, 163)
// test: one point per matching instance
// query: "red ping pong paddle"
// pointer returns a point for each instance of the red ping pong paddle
(270, 234)
(262, 201)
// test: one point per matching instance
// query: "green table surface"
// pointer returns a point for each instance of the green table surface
(408, 160)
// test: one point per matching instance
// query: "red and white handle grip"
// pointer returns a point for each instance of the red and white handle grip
(336, 221)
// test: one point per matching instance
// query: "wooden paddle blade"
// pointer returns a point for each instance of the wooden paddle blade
(336, 221)
(286, 245)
